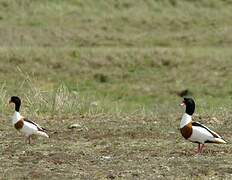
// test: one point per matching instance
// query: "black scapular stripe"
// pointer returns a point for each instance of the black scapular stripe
(200, 125)
(38, 127)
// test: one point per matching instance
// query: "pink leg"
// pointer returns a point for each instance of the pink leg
(26, 140)
(201, 149)
(198, 148)
(29, 139)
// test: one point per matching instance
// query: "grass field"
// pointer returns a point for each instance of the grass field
(115, 67)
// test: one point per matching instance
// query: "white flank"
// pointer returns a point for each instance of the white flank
(41, 133)
(185, 120)
(29, 129)
(200, 134)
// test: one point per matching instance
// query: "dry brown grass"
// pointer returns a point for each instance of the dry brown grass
(112, 147)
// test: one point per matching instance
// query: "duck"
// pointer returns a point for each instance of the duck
(24, 125)
(195, 131)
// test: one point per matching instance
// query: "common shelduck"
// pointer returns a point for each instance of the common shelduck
(23, 124)
(195, 131)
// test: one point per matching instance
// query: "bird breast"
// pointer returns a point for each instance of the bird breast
(187, 130)
(19, 125)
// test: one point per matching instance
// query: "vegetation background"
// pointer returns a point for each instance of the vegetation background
(115, 69)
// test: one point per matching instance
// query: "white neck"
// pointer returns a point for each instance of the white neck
(16, 116)
(185, 120)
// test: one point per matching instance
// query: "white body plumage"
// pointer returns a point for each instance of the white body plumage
(200, 133)
(28, 128)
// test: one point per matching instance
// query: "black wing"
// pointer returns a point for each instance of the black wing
(38, 126)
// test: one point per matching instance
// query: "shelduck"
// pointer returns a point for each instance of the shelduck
(195, 131)
(24, 125)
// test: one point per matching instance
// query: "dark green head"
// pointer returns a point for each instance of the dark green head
(16, 100)
(190, 105)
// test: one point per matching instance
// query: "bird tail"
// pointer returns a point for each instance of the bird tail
(220, 141)
(41, 133)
